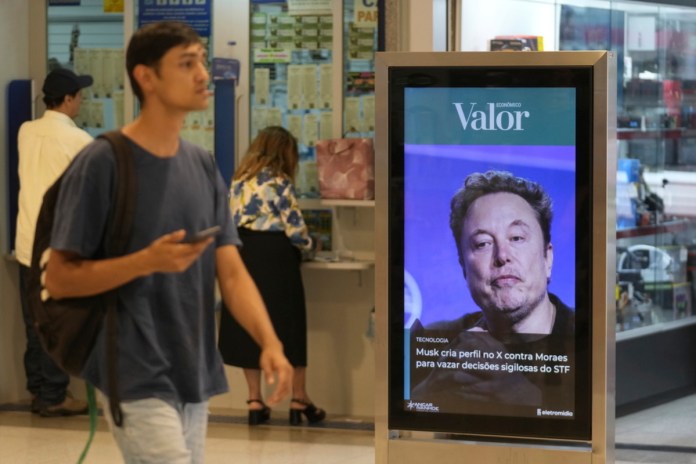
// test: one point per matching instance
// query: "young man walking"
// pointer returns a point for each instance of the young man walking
(46, 147)
(168, 362)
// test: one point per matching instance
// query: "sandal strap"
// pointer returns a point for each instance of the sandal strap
(301, 401)
(256, 401)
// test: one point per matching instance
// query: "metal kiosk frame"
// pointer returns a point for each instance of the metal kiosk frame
(406, 445)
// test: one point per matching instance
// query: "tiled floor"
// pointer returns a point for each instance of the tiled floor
(666, 434)
(30, 439)
(650, 435)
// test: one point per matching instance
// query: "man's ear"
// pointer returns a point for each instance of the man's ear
(143, 76)
(462, 265)
(549, 261)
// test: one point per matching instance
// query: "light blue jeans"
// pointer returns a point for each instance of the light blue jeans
(157, 432)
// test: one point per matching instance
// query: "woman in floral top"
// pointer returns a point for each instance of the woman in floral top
(274, 234)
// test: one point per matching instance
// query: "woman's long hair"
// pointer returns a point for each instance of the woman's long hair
(275, 149)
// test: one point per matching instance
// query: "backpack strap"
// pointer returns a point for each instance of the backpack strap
(123, 213)
(118, 233)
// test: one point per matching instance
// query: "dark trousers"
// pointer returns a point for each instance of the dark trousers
(45, 380)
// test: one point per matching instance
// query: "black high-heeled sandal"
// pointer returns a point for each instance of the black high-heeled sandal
(259, 416)
(310, 411)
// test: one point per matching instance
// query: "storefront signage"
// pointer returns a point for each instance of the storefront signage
(195, 13)
(365, 13)
(272, 55)
(113, 6)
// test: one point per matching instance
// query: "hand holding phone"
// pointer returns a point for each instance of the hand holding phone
(202, 235)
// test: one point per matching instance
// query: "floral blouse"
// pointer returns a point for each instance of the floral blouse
(269, 203)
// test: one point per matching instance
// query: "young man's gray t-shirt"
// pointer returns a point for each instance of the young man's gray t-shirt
(166, 320)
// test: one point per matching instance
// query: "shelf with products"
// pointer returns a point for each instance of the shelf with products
(654, 46)
(667, 133)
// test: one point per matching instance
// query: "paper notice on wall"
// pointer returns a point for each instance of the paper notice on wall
(261, 85)
(309, 130)
(352, 114)
(97, 114)
(309, 86)
(83, 116)
(295, 125)
(275, 117)
(119, 118)
(108, 73)
(325, 86)
(259, 120)
(114, 64)
(295, 73)
(326, 125)
(309, 7)
(368, 109)
(81, 66)
(96, 69)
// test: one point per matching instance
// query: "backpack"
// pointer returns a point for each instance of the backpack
(67, 328)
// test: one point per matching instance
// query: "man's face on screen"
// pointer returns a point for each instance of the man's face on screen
(506, 264)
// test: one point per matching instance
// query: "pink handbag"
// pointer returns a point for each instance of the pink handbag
(346, 168)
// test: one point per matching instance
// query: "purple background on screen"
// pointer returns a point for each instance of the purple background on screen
(433, 173)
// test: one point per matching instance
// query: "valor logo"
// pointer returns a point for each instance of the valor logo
(494, 118)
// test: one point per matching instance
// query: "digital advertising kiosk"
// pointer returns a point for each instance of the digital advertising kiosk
(495, 269)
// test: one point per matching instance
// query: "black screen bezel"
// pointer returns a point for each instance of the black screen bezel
(582, 79)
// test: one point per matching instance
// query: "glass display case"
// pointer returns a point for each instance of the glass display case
(655, 47)
(657, 154)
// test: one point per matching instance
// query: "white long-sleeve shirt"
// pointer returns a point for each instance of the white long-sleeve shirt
(46, 146)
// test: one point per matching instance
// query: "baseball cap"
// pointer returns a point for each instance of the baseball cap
(61, 82)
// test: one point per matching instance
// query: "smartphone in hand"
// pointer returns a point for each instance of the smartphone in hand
(202, 235)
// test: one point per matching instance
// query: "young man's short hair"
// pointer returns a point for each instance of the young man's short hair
(151, 42)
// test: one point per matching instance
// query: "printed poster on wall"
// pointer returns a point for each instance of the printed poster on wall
(365, 13)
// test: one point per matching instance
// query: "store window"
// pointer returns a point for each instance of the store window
(655, 45)
(87, 37)
(292, 65)
(295, 47)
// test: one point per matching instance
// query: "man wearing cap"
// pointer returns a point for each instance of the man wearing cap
(46, 147)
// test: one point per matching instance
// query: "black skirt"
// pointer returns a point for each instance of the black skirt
(274, 264)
